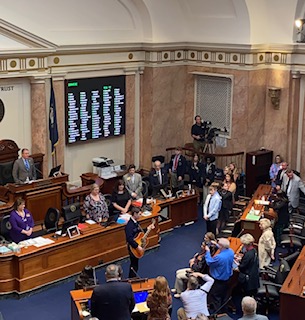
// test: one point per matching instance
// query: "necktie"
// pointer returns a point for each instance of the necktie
(27, 164)
(287, 186)
(176, 162)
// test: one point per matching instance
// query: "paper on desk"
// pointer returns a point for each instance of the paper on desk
(146, 213)
(252, 217)
(142, 307)
(90, 221)
(40, 242)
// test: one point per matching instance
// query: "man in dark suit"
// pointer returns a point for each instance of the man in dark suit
(157, 178)
(208, 173)
(24, 168)
(113, 300)
(132, 229)
(177, 170)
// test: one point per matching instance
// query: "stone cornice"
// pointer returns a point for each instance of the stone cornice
(70, 59)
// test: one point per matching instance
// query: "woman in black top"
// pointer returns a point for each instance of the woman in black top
(195, 172)
(226, 206)
(121, 200)
(248, 266)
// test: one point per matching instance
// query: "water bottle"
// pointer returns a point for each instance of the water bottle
(27, 180)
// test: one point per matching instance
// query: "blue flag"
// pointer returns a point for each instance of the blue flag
(53, 121)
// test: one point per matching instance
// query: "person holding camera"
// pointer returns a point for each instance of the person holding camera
(198, 134)
(194, 298)
(196, 264)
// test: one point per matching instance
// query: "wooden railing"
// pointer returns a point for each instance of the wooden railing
(221, 159)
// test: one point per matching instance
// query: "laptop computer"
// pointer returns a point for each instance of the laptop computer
(111, 220)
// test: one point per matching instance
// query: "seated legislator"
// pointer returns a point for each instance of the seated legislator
(113, 299)
(121, 199)
(24, 168)
(22, 222)
(95, 205)
(196, 264)
(160, 300)
(133, 182)
(194, 298)
(158, 178)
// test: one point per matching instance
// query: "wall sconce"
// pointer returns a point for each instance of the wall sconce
(299, 23)
(274, 94)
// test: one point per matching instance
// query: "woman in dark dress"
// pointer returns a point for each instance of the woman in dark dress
(248, 266)
(195, 172)
(121, 200)
(21, 221)
(226, 206)
(159, 301)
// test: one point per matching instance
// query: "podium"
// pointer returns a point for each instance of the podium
(40, 195)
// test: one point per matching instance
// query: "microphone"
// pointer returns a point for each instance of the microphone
(240, 233)
(135, 272)
(36, 169)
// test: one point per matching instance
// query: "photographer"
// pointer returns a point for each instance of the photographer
(198, 134)
(196, 264)
(194, 298)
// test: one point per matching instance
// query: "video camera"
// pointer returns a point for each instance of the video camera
(211, 132)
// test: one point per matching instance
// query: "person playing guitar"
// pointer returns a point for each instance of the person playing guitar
(136, 240)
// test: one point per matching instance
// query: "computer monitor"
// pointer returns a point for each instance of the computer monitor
(156, 190)
(54, 171)
(111, 220)
(140, 296)
(66, 225)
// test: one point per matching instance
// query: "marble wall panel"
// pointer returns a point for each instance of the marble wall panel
(39, 121)
(130, 119)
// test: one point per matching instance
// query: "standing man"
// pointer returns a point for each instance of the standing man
(157, 178)
(133, 182)
(198, 134)
(177, 169)
(132, 229)
(221, 271)
(292, 185)
(280, 174)
(114, 299)
(24, 168)
(208, 174)
(211, 209)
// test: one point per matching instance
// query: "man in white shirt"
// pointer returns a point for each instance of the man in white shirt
(194, 299)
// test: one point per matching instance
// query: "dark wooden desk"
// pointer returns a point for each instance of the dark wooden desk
(182, 210)
(250, 226)
(81, 297)
(292, 300)
(34, 267)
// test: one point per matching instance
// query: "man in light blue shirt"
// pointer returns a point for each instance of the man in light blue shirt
(211, 209)
(220, 270)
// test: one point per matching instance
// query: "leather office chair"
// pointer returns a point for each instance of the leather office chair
(6, 169)
(72, 211)
(145, 187)
(268, 294)
(6, 227)
(50, 222)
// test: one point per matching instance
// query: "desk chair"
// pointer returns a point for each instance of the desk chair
(50, 222)
(268, 294)
(6, 227)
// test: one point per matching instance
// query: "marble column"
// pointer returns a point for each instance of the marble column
(293, 120)
(39, 121)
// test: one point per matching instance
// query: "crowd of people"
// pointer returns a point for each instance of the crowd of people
(204, 285)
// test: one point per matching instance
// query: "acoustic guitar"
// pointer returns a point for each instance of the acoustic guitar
(142, 241)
